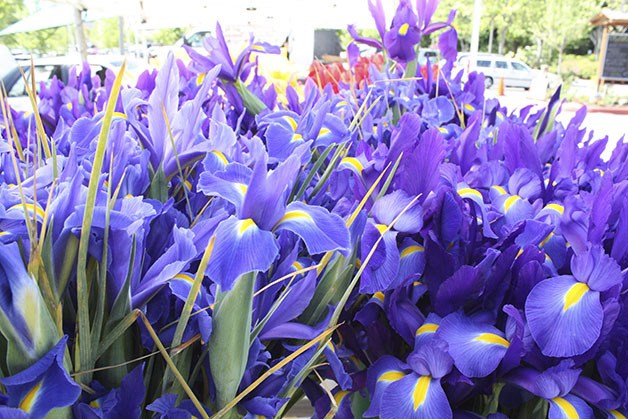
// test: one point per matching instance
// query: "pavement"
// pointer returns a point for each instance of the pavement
(611, 121)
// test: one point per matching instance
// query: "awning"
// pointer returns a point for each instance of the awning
(610, 17)
(51, 17)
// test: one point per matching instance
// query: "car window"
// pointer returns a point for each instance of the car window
(518, 66)
(19, 88)
(484, 63)
(501, 64)
(196, 40)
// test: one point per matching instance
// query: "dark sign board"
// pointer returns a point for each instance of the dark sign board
(326, 42)
(616, 58)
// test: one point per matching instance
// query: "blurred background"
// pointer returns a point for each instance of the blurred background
(559, 39)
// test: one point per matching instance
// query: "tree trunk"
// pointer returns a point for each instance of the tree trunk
(502, 40)
(539, 51)
(490, 37)
(561, 48)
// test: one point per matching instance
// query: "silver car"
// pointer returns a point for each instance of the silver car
(495, 67)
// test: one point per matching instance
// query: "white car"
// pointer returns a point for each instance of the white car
(47, 68)
(515, 73)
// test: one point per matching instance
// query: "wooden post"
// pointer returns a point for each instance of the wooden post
(79, 29)
(121, 34)
(600, 68)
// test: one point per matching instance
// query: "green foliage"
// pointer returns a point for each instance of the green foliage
(104, 33)
(167, 36)
(579, 66)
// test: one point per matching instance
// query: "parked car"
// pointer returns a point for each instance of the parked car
(495, 67)
(45, 69)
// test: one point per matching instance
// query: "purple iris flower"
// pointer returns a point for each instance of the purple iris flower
(403, 35)
(125, 400)
(566, 313)
(31, 388)
(246, 241)
(219, 55)
(411, 390)
(554, 384)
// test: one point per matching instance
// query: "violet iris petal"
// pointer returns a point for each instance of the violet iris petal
(30, 389)
(477, 349)
(342, 378)
(320, 230)
(415, 397)
(241, 247)
(418, 172)
(569, 406)
(599, 271)
(230, 184)
(411, 262)
(387, 209)
(382, 268)
(172, 262)
(385, 371)
(426, 332)
(565, 316)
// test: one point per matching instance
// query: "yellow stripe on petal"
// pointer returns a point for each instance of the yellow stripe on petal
(616, 414)
(545, 240)
(420, 391)
(120, 115)
(510, 201)
(184, 277)
(296, 137)
(200, 78)
(469, 191)
(443, 130)
(574, 295)
(403, 29)
(323, 131)
(245, 225)
(29, 400)
(566, 407)
(339, 396)
(381, 228)
(296, 215)
(499, 189)
(426, 328)
(291, 121)
(379, 296)
(242, 188)
(330, 346)
(355, 163)
(469, 107)
(493, 339)
(3, 233)
(221, 156)
(556, 207)
(411, 250)
(296, 265)
(31, 208)
(391, 376)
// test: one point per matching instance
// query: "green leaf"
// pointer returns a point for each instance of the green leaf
(159, 186)
(229, 342)
(251, 102)
(85, 359)
(328, 291)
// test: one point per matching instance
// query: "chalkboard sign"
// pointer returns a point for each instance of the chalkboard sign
(616, 58)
